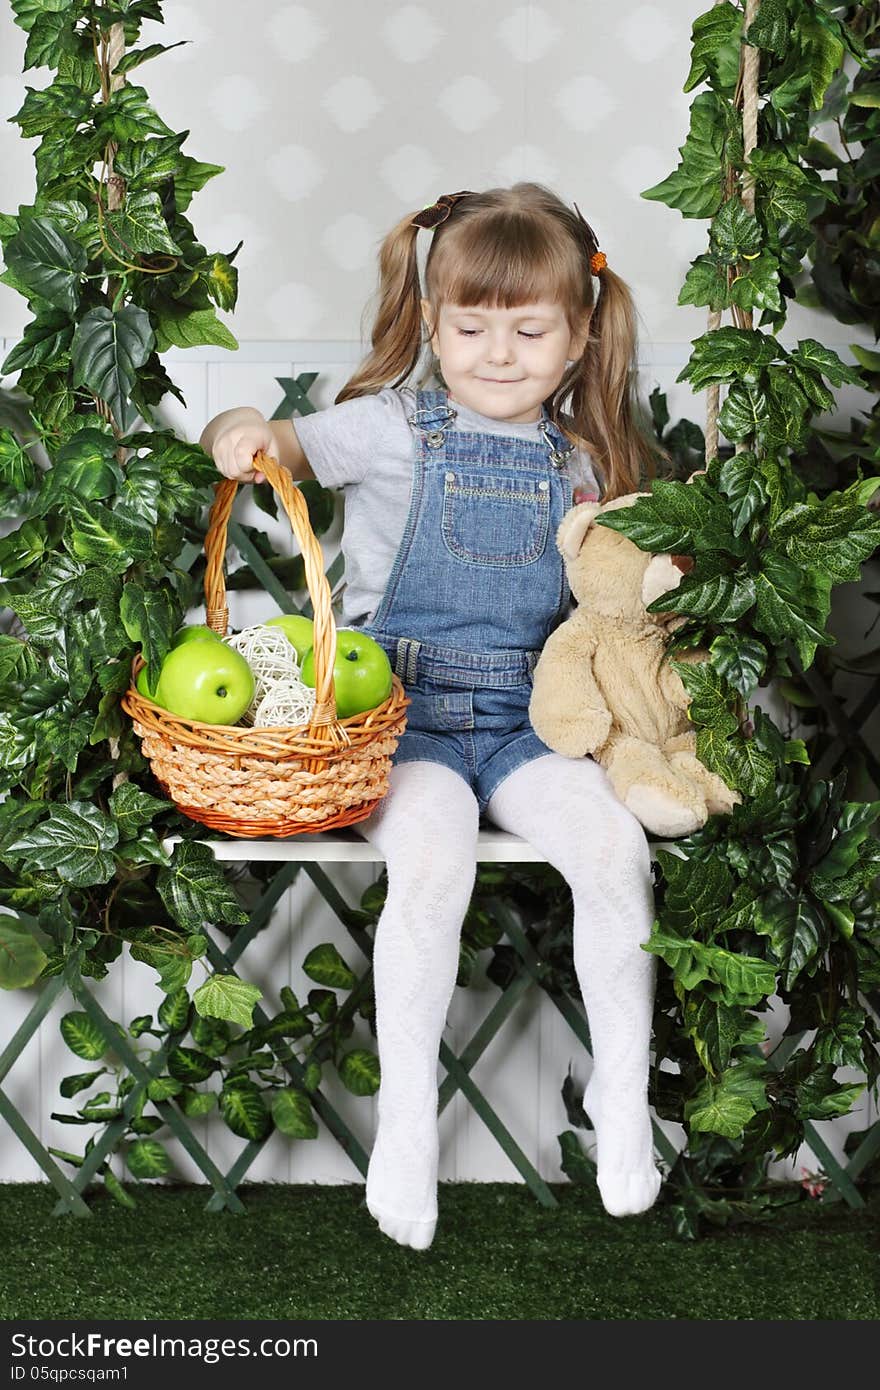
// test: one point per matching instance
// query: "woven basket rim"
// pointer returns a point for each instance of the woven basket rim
(398, 699)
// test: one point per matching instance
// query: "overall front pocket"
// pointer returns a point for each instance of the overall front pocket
(497, 519)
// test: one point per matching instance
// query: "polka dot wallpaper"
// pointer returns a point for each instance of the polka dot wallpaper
(334, 120)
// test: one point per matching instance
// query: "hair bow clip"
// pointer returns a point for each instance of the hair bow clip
(432, 214)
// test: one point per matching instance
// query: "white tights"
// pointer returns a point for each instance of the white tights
(426, 828)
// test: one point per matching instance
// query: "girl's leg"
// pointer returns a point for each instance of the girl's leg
(426, 827)
(566, 808)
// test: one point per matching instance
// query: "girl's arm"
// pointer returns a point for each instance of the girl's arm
(288, 450)
(233, 437)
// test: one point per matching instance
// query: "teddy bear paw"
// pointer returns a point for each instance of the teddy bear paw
(660, 813)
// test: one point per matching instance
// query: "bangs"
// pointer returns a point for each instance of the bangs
(502, 261)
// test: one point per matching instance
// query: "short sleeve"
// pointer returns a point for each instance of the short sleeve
(342, 441)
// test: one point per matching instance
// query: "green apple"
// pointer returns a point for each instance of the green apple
(362, 675)
(207, 681)
(143, 682)
(197, 632)
(299, 631)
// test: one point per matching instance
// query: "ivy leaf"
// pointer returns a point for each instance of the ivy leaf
(695, 187)
(735, 231)
(745, 412)
(244, 1111)
(838, 535)
(17, 741)
(227, 997)
(705, 284)
(17, 469)
(83, 1036)
(72, 1085)
(715, 1030)
(102, 537)
(17, 661)
(139, 225)
(47, 262)
(198, 1103)
(141, 489)
(149, 617)
(198, 328)
(188, 1065)
(783, 609)
(293, 1115)
(133, 808)
(795, 927)
(742, 484)
(195, 891)
(127, 115)
(711, 590)
(21, 958)
(823, 52)
(24, 547)
(146, 1158)
(108, 349)
(740, 661)
(221, 278)
(725, 1106)
(710, 34)
(820, 1098)
(325, 965)
(839, 1042)
(757, 287)
(770, 29)
(729, 354)
(741, 763)
(359, 1072)
(64, 734)
(75, 841)
(708, 703)
(85, 466)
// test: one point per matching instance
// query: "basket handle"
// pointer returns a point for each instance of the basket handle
(324, 723)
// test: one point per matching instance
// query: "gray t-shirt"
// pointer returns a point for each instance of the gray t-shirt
(365, 447)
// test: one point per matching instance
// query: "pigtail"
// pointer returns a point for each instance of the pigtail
(397, 331)
(605, 412)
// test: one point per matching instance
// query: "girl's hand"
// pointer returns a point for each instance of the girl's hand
(233, 437)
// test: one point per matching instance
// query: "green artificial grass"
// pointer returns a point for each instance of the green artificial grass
(307, 1251)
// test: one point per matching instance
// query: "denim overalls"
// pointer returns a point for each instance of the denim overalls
(476, 588)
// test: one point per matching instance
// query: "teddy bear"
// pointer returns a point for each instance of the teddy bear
(602, 688)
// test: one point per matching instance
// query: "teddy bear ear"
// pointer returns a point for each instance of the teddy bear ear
(574, 526)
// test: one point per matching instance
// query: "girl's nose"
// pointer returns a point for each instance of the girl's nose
(500, 351)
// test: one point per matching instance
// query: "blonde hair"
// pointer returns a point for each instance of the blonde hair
(503, 248)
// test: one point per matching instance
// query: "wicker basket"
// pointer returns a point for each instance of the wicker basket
(276, 780)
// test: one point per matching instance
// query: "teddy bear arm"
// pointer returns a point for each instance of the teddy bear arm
(567, 709)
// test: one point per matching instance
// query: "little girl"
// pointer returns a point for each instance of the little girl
(452, 502)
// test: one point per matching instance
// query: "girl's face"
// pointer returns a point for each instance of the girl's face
(503, 362)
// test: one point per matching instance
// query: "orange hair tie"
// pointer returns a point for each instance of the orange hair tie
(598, 261)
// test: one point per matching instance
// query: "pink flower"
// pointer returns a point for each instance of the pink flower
(813, 1183)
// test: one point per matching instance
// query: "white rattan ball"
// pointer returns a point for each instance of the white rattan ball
(288, 701)
(271, 657)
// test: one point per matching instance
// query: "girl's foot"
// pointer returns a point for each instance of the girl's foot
(402, 1187)
(627, 1177)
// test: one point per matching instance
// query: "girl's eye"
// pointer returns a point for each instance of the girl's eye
(469, 333)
